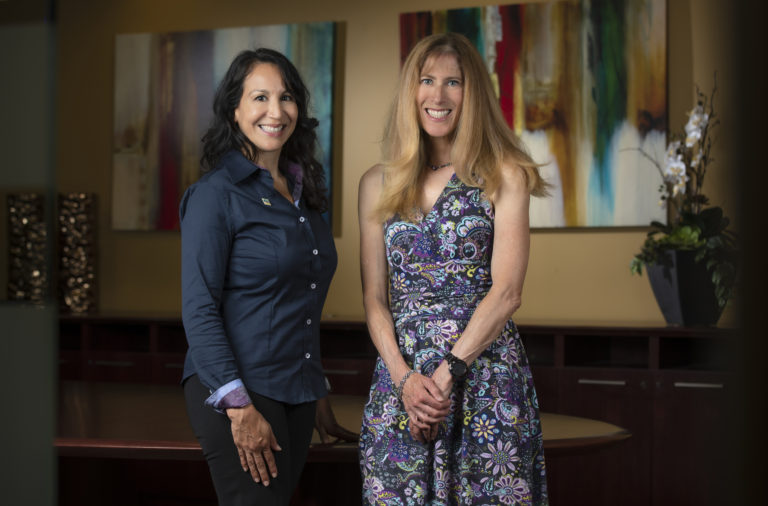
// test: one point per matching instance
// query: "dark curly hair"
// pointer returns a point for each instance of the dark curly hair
(224, 135)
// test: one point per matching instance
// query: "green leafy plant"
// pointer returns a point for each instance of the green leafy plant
(693, 224)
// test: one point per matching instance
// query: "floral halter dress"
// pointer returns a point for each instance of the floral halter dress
(490, 449)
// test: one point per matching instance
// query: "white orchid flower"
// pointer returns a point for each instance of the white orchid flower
(697, 120)
(679, 187)
(674, 168)
(696, 159)
(673, 148)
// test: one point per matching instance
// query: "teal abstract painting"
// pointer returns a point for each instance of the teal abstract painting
(163, 97)
(583, 83)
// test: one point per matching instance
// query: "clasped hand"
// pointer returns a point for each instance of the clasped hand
(427, 402)
(255, 443)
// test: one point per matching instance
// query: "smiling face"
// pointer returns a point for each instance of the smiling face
(440, 95)
(267, 112)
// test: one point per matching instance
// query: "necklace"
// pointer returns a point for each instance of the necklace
(436, 167)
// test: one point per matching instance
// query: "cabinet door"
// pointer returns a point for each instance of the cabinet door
(547, 383)
(618, 474)
(694, 440)
(117, 366)
(167, 368)
(70, 365)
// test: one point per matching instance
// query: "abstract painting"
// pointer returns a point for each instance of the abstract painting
(164, 87)
(583, 84)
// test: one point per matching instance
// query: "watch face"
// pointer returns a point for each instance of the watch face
(458, 369)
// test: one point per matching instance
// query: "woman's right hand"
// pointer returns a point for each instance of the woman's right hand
(255, 443)
(426, 406)
(421, 397)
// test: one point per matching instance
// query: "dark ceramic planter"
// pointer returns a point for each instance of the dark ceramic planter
(684, 290)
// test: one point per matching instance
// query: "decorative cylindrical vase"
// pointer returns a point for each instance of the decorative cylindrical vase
(27, 242)
(77, 252)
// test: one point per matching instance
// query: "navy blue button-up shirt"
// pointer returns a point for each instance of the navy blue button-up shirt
(255, 272)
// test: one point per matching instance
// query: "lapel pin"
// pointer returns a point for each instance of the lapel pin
(266, 201)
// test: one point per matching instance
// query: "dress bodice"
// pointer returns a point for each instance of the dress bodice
(443, 259)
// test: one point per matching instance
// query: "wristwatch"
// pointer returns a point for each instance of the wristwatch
(457, 367)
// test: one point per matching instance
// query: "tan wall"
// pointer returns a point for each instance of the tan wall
(573, 275)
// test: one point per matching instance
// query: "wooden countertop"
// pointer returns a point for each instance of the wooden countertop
(122, 420)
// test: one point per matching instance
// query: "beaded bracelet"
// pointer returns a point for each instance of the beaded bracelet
(399, 388)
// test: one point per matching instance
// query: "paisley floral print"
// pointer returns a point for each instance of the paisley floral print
(489, 450)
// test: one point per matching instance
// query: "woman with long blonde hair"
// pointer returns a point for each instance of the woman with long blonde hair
(452, 416)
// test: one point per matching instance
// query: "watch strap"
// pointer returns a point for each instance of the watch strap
(455, 362)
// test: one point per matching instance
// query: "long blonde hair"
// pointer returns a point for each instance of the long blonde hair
(482, 141)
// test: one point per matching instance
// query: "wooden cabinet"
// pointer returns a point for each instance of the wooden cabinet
(673, 388)
(615, 475)
(693, 443)
(121, 348)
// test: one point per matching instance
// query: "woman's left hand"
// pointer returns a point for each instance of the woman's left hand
(443, 379)
(423, 435)
(327, 426)
(444, 382)
(255, 442)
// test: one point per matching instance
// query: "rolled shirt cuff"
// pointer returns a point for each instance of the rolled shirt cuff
(231, 395)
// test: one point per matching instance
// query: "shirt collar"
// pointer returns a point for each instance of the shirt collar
(239, 168)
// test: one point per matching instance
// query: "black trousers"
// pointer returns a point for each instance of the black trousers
(292, 425)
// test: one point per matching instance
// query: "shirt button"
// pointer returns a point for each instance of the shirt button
(309, 321)
(313, 286)
(302, 219)
(307, 355)
(314, 252)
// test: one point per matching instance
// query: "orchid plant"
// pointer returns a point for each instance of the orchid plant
(692, 224)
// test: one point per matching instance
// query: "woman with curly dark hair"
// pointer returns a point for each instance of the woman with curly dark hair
(257, 261)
